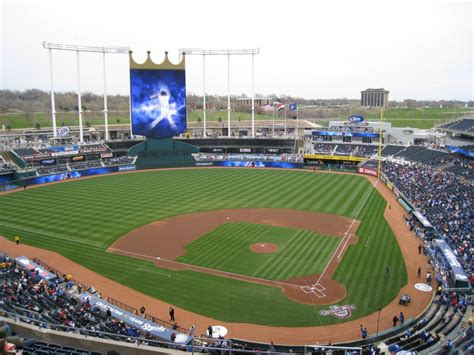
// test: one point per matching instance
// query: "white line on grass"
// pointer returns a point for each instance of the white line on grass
(191, 266)
(347, 232)
(153, 271)
(344, 246)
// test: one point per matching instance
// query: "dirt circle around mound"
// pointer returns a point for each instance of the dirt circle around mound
(336, 333)
(163, 242)
(263, 248)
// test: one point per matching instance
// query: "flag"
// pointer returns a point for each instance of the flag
(267, 108)
(293, 106)
(280, 107)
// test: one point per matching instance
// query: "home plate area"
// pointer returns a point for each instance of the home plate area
(316, 289)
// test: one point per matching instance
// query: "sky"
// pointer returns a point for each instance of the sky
(311, 49)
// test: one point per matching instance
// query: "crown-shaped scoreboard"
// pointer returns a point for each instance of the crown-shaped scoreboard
(158, 97)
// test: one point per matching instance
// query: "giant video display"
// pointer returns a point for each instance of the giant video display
(158, 102)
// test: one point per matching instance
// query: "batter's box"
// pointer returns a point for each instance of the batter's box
(316, 290)
(319, 287)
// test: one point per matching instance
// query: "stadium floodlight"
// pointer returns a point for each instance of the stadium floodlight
(79, 48)
(197, 51)
(228, 53)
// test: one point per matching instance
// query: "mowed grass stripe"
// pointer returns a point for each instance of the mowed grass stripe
(227, 249)
(85, 216)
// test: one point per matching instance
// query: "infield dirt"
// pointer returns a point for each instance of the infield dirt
(280, 335)
(167, 239)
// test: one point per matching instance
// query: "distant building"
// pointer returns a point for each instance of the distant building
(259, 101)
(374, 98)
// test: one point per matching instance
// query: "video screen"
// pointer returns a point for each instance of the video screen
(158, 100)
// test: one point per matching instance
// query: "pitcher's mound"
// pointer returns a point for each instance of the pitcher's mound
(263, 248)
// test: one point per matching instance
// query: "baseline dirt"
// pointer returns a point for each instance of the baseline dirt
(263, 248)
(167, 239)
(337, 333)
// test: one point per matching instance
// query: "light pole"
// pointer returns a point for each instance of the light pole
(228, 53)
(78, 49)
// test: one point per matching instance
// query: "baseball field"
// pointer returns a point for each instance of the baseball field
(246, 235)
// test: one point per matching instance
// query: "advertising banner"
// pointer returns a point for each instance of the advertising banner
(332, 157)
(460, 151)
(345, 134)
(367, 171)
(131, 319)
(259, 164)
(70, 175)
(458, 272)
(78, 158)
(26, 263)
(48, 161)
(422, 219)
(127, 168)
(106, 155)
(66, 152)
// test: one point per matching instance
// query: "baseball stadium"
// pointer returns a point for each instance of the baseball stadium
(276, 233)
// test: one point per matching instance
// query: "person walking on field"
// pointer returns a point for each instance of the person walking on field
(171, 313)
(395, 320)
(402, 318)
(17, 240)
(419, 272)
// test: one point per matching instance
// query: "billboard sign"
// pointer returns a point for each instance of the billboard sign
(367, 171)
(356, 119)
(30, 265)
(158, 102)
(63, 131)
(133, 320)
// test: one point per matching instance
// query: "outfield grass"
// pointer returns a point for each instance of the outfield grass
(80, 219)
(20, 120)
(300, 252)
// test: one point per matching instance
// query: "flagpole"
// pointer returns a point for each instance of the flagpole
(297, 108)
(285, 117)
(273, 125)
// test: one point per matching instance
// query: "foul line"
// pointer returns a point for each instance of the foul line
(191, 267)
(347, 232)
(153, 271)
(344, 246)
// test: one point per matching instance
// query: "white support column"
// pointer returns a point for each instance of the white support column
(273, 121)
(53, 105)
(106, 112)
(228, 95)
(253, 96)
(204, 95)
(130, 107)
(79, 104)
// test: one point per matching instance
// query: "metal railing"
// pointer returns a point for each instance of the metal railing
(147, 316)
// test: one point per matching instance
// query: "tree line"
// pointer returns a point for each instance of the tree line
(34, 100)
